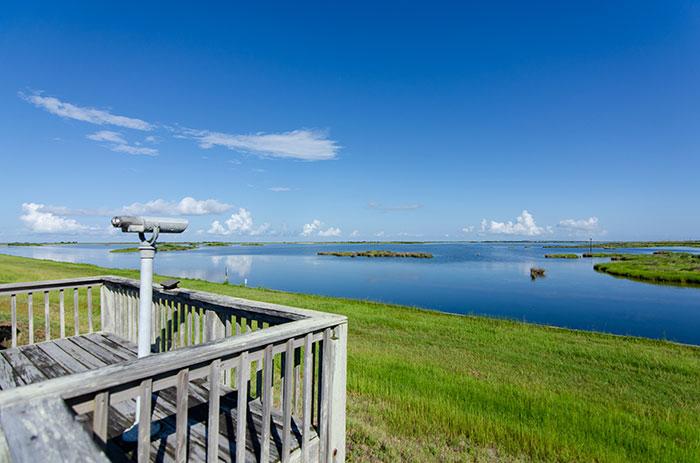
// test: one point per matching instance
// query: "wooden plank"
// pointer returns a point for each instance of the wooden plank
(79, 354)
(89, 308)
(197, 327)
(296, 408)
(45, 430)
(43, 362)
(144, 443)
(13, 309)
(306, 412)
(62, 313)
(76, 319)
(47, 317)
(61, 357)
(337, 392)
(30, 316)
(267, 405)
(135, 370)
(241, 412)
(100, 418)
(183, 326)
(189, 325)
(99, 351)
(324, 376)
(23, 367)
(213, 422)
(287, 401)
(181, 416)
(8, 378)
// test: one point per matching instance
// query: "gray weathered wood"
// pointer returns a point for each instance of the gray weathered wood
(62, 312)
(213, 422)
(243, 374)
(30, 316)
(23, 367)
(267, 404)
(13, 310)
(308, 398)
(47, 317)
(8, 377)
(49, 285)
(337, 391)
(144, 443)
(181, 416)
(45, 430)
(324, 376)
(89, 308)
(76, 319)
(287, 400)
(100, 417)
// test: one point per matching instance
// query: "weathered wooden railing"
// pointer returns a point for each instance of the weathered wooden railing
(298, 356)
(54, 294)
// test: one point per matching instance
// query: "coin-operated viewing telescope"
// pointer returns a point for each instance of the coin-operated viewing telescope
(131, 224)
(147, 252)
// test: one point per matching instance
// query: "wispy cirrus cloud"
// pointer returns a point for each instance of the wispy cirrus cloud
(91, 115)
(279, 188)
(300, 144)
(305, 145)
(119, 144)
(382, 207)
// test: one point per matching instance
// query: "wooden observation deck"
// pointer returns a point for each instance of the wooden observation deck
(229, 379)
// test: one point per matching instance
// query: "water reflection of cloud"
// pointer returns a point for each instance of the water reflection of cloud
(240, 265)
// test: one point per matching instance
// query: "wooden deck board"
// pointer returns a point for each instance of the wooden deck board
(50, 359)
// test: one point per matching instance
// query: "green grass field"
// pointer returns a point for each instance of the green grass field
(660, 267)
(562, 256)
(426, 386)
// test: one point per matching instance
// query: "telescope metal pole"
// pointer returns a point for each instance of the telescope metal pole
(147, 252)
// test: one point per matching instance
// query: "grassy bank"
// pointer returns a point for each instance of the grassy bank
(662, 267)
(165, 247)
(418, 255)
(562, 256)
(631, 244)
(427, 386)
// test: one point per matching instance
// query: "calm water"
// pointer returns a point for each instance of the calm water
(479, 279)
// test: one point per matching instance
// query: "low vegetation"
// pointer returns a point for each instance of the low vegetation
(162, 248)
(561, 256)
(536, 272)
(631, 244)
(427, 386)
(420, 255)
(660, 267)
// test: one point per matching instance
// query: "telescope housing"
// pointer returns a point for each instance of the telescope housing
(131, 224)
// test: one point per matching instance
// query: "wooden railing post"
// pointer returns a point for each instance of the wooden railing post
(336, 399)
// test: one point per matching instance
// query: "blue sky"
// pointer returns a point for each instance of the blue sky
(362, 121)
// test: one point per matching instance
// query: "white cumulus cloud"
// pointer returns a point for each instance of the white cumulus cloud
(580, 225)
(330, 232)
(186, 206)
(94, 116)
(40, 221)
(309, 228)
(524, 225)
(238, 224)
(306, 145)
